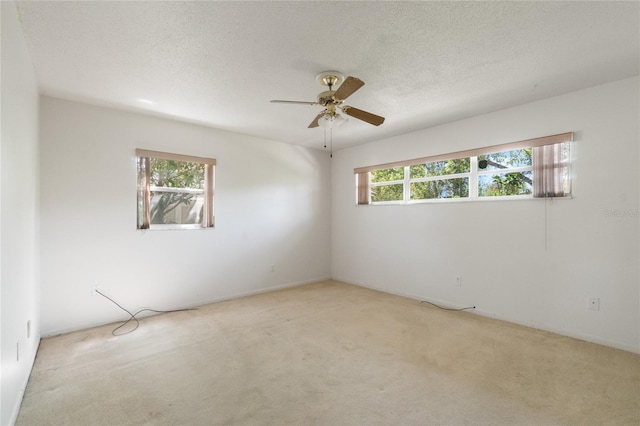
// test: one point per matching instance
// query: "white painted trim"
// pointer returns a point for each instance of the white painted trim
(16, 409)
(579, 336)
(60, 331)
(254, 292)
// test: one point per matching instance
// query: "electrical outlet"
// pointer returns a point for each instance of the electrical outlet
(594, 303)
(273, 268)
(459, 280)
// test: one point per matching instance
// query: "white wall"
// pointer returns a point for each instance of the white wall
(498, 247)
(18, 215)
(272, 207)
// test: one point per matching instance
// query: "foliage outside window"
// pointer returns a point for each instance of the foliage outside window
(505, 173)
(502, 173)
(174, 191)
(387, 185)
(440, 179)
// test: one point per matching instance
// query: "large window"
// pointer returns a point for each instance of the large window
(174, 191)
(534, 168)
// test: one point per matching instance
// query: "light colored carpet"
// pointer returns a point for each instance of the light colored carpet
(328, 354)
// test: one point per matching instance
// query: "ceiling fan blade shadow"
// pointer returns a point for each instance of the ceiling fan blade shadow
(376, 120)
(278, 101)
(315, 123)
(348, 88)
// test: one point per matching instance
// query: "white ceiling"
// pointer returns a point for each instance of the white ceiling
(424, 63)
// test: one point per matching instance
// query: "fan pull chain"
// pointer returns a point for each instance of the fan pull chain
(330, 142)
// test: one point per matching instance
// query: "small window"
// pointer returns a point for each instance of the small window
(174, 191)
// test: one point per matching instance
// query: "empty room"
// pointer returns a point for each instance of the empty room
(320, 213)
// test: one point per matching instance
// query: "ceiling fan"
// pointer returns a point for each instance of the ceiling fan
(332, 101)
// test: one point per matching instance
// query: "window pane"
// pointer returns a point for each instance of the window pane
(387, 175)
(445, 188)
(177, 174)
(387, 193)
(176, 207)
(440, 168)
(505, 159)
(505, 184)
(177, 195)
(174, 190)
(566, 151)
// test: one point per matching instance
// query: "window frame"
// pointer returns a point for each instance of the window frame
(387, 183)
(144, 189)
(362, 188)
(493, 172)
(409, 180)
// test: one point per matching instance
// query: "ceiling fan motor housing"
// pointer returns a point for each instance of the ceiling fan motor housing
(327, 98)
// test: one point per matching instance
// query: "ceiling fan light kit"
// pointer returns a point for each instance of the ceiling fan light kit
(332, 101)
(332, 120)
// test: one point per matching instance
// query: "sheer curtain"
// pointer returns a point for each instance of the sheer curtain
(549, 171)
(207, 217)
(363, 187)
(144, 192)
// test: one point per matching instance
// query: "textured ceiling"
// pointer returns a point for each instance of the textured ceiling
(424, 63)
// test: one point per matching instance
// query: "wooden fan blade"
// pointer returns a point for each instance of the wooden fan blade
(376, 120)
(348, 87)
(314, 123)
(278, 101)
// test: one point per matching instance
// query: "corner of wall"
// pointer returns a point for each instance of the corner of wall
(19, 233)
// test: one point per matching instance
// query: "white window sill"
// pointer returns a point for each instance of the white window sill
(175, 228)
(466, 200)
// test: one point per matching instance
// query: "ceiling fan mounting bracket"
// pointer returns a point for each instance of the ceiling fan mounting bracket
(330, 78)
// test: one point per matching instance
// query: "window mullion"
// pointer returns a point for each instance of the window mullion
(473, 178)
(407, 184)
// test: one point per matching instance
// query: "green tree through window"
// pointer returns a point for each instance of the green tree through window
(505, 184)
(174, 190)
(457, 187)
(388, 191)
(187, 181)
(500, 174)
